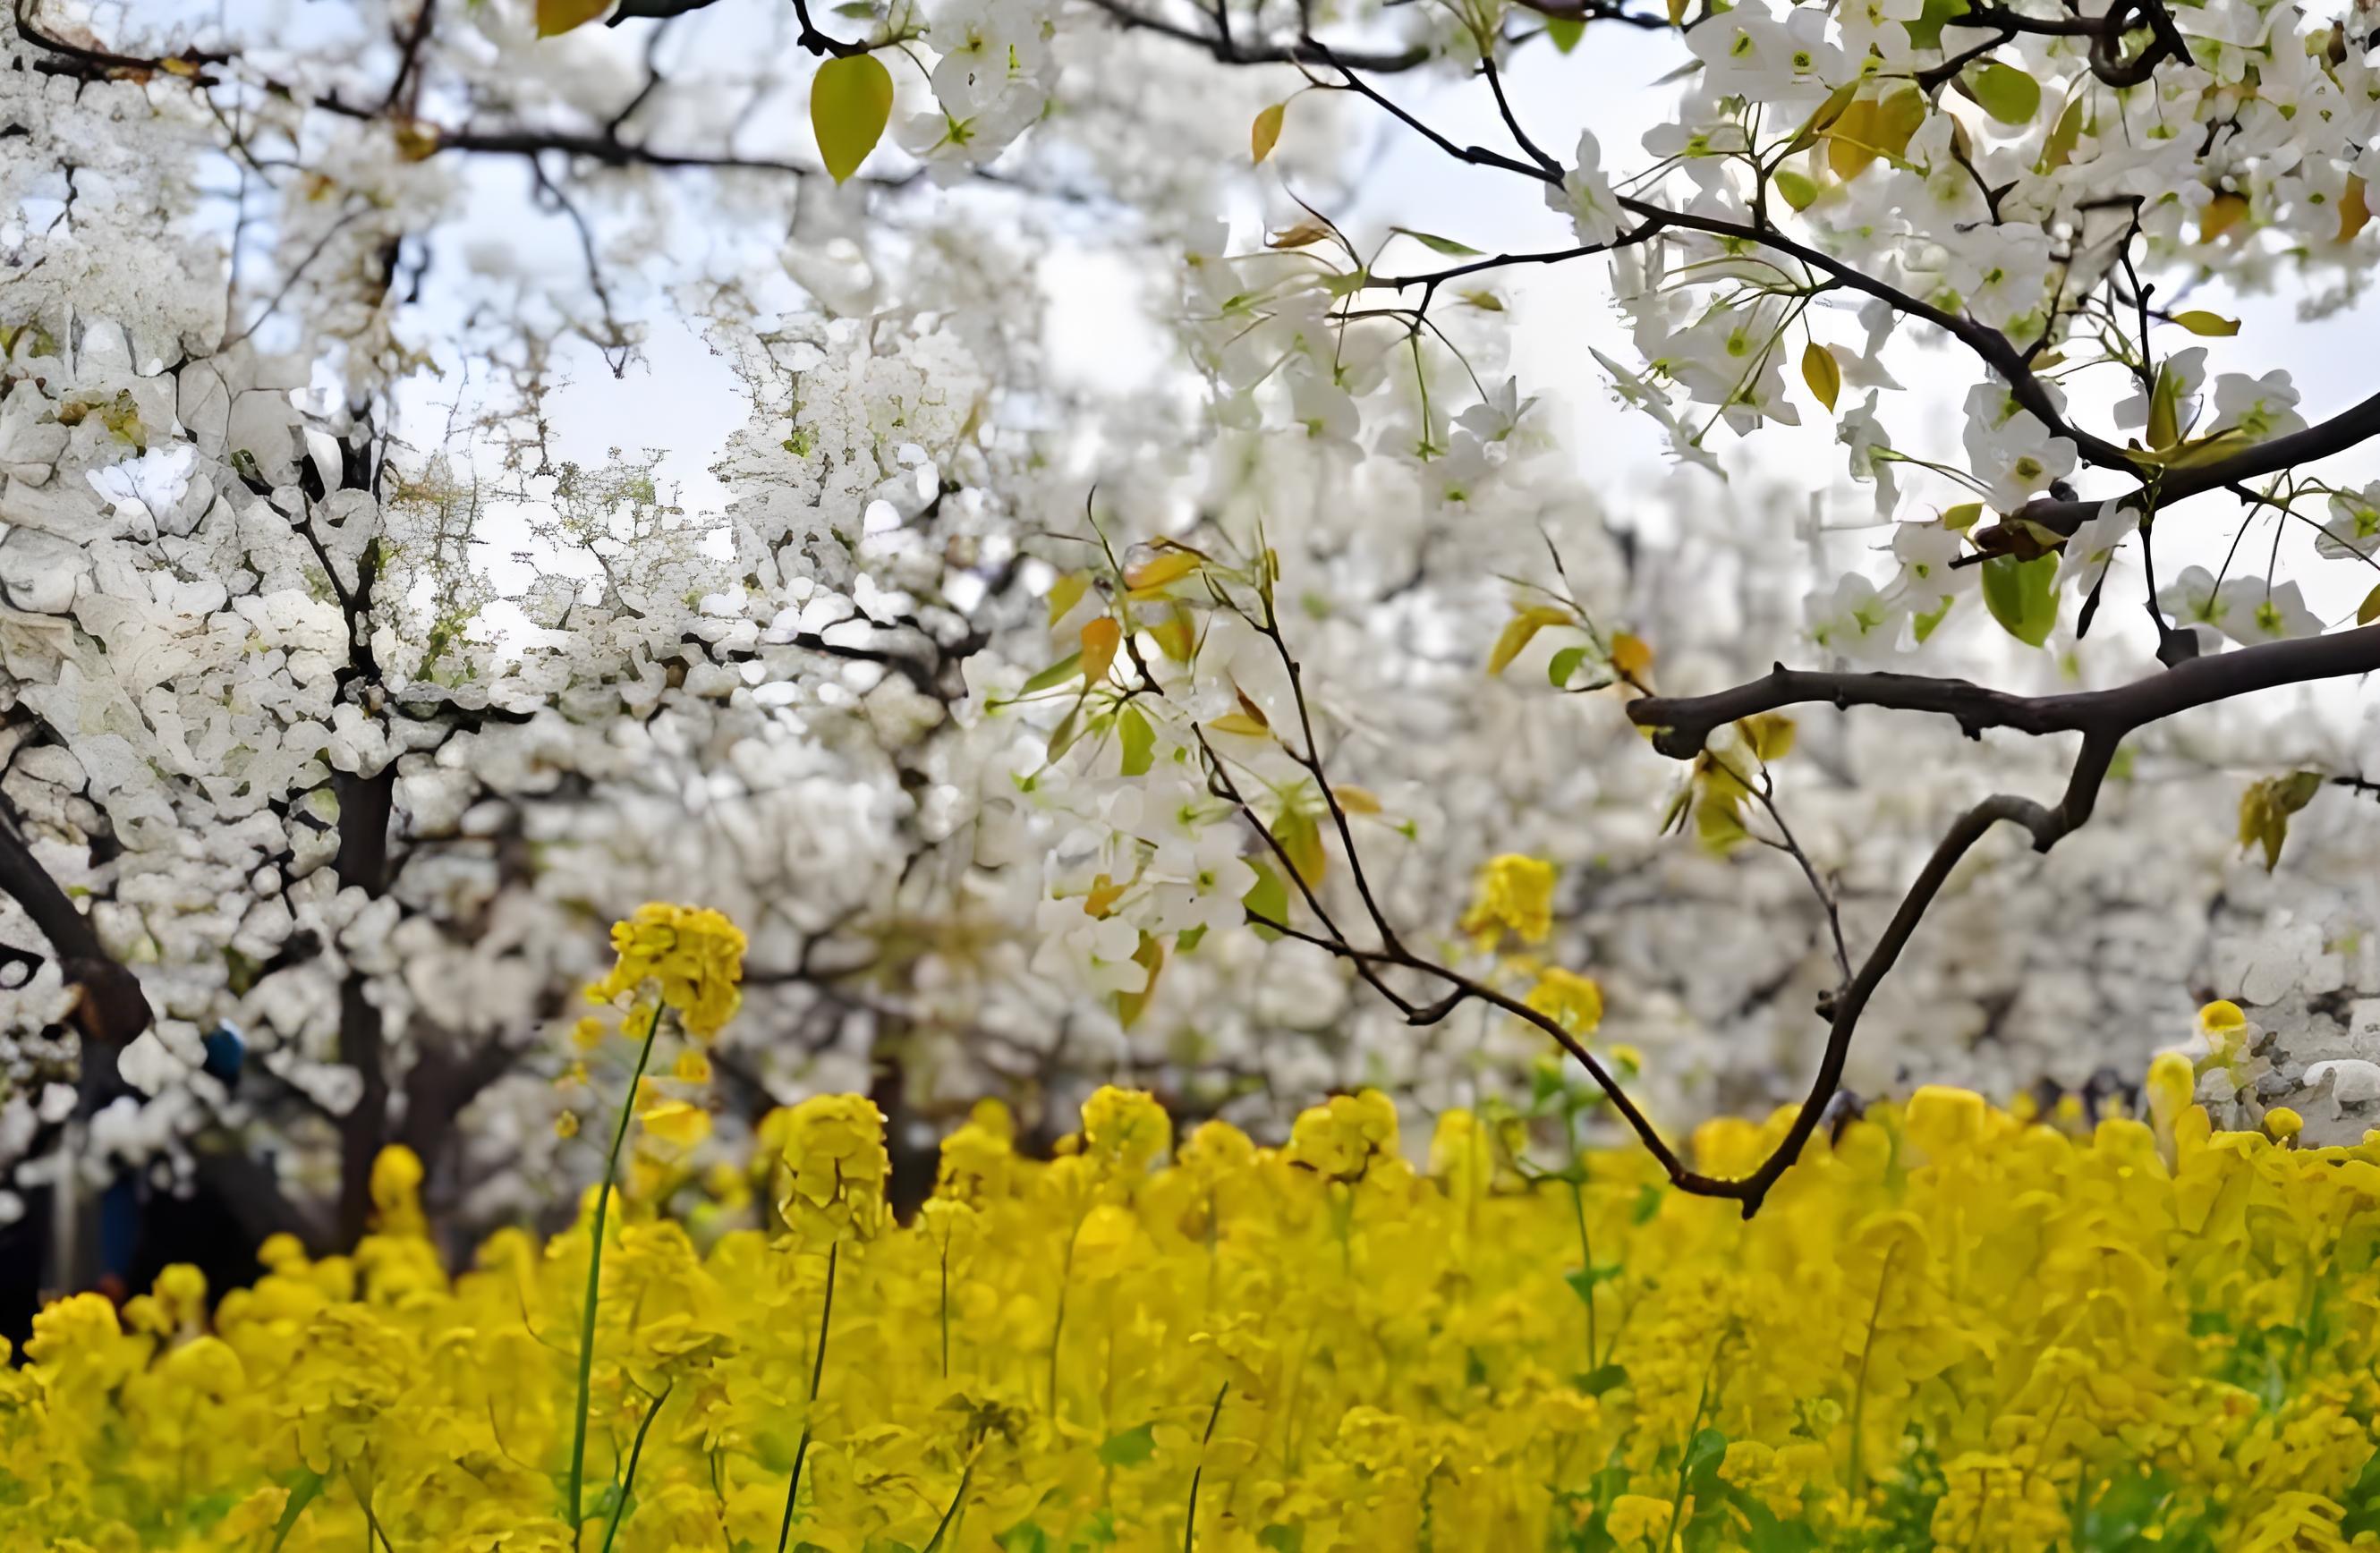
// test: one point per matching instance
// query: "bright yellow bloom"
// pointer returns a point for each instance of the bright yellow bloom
(1571, 1000)
(1513, 893)
(1125, 1130)
(694, 953)
(1340, 1138)
(835, 1166)
(2283, 1124)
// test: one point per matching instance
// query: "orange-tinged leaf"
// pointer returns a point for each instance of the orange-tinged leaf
(1158, 571)
(1101, 899)
(1354, 799)
(1631, 655)
(2222, 213)
(1249, 709)
(1101, 640)
(2354, 208)
(557, 17)
(1300, 235)
(1265, 133)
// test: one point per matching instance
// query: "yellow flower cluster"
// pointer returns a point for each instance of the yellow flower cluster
(1512, 893)
(694, 952)
(1951, 1326)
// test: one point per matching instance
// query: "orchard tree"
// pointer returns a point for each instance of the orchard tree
(1043, 732)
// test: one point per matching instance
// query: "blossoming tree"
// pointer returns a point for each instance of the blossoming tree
(1040, 734)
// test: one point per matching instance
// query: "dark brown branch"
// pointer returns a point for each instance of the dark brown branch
(1685, 722)
(2349, 427)
(1227, 50)
(110, 1007)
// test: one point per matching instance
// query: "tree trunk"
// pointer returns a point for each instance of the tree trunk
(365, 806)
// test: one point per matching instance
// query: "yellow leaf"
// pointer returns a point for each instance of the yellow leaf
(1769, 733)
(1065, 593)
(1175, 636)
(2063, 136)
(2354, 208)
(1677, 13)
(1631, 655)
(1851, 140)
(2211, 325)
(415, 141)
(1165, 567)
(2222, 213)
(557, 17)
(1898, 119)
(1354, 799)
(1239, 723)
(1300, 235)
(1101, 899)
(2368, 611)
(1301, 843)
(1265, 133)
(1518, 632)
(1101, 640)
(851, 100)
(1131, 1005)
(1822, 372)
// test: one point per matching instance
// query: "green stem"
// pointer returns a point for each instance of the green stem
(595, 1269)
(950, 1515)
(1058, 1322)
(635, 1454)
(1585, 1246)
(1859, 1396)
(818, 1374)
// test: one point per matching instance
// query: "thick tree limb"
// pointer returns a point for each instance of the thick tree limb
(110, 1007)
(1684, 722)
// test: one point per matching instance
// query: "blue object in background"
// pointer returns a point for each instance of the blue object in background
(225, 1052)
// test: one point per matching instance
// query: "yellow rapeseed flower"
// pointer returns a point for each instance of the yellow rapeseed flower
(695, 954)
(1571, 1000)
(1514, 895)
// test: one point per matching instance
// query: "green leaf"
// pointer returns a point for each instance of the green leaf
(1138, 740)
(1925, 33)
(2362, 1501)
(1565, 663)
(1798, 190)
(1265, 133)
(2265, 808)
(1565, 31)
(2022, 596)
(1129, 1449)
(1602, 1378)
(1189, 938)
(851, 100)
(1929, 623)
(1056, 675)
(2063, 136)
(2005, 93)
(1268, 897)
(2197, 321)
(1023, 1538)
(302, 1492)
(1963, 516)
(1823, 373)
(1282, 1539)
(1648, 1204)
(1584, 1281)
(2368, 611)
(1436, 244)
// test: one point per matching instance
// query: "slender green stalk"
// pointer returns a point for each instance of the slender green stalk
(950, 1515)
(635, 1454)
(946, 1307)
(595, 1268)
(1058, 1322)
(1190, 1526)
(818, 1374)
(1859, 1394)
(1577, 1172)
